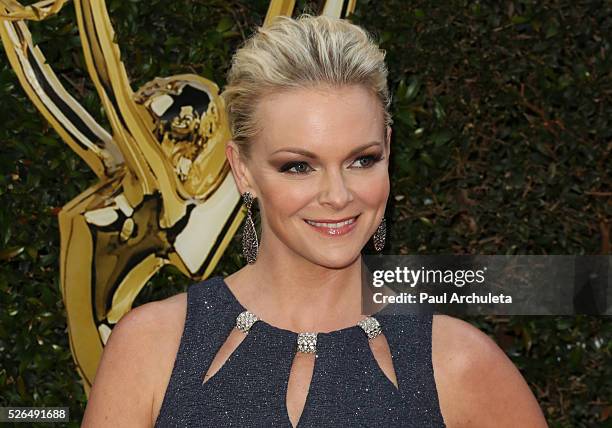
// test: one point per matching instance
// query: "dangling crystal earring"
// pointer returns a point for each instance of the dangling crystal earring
(250, 245)
(380, 235)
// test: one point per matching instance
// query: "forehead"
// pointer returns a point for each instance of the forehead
(322, 119)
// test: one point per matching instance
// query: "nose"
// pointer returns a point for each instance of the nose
(334, 190)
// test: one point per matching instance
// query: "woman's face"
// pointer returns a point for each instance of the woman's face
(321, 156)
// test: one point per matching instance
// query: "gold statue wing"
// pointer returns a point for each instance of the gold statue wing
(73, 123)
(35, 12)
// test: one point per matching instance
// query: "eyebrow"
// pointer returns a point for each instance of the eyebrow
(306, 153)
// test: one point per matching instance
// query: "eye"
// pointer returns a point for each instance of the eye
(295, 168)
(368, 160)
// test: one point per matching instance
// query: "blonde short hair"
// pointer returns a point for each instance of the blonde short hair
(299, 53)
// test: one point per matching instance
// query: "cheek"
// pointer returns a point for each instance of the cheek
(288, 198)
(375, 192)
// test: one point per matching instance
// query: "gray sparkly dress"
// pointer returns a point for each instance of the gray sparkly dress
(348, 387)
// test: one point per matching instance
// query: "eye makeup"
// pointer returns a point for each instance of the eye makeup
(302, 167)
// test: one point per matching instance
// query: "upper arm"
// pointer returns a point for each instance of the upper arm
(478, 385)
(122, 391)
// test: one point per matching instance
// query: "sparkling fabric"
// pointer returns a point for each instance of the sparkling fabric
(348, 387)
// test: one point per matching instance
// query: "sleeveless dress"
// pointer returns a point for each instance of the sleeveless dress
(348, 387)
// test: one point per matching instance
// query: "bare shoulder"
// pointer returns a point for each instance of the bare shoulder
(136, 365)
(478, 385)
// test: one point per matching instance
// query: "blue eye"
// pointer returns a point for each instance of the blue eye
(371, 158)
(297, 167)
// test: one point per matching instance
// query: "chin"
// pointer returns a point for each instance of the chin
(336, 259)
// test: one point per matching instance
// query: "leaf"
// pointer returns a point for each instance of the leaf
(224, 24)
(10, 253)
(518, 19)
(439, 110)
(426, 159)
(426, 221)
(406, 117)
(441, 137)
(413, 89)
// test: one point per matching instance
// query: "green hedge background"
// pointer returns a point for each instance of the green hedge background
(502, 142)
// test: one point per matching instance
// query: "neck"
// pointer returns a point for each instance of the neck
(291, 292)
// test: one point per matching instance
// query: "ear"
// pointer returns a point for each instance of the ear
(240, 170)
(388, 140)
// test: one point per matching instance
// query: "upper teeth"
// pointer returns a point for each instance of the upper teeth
(331, 225)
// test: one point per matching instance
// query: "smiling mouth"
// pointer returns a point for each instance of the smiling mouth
(332, 224)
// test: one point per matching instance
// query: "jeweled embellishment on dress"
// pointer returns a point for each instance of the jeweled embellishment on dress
(307, 343)
(371, 326)
(245, 321)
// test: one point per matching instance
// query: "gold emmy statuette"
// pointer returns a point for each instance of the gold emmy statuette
(165, 194)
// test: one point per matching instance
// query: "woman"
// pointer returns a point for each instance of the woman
(308, 106)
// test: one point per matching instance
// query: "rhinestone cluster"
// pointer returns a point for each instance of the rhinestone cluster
(307, 343)
(245, 321)
(250, 244)
(371, 326)
(380, 235)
